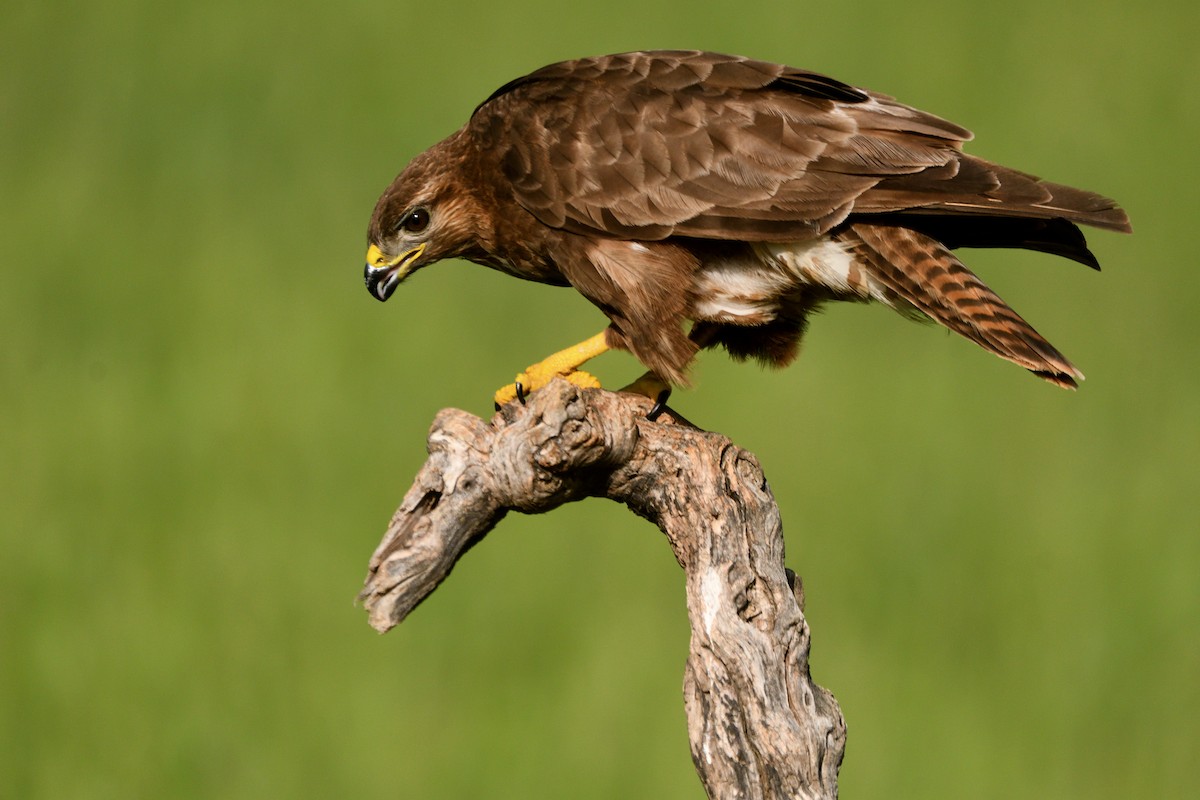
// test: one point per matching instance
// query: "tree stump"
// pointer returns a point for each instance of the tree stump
(759, 726)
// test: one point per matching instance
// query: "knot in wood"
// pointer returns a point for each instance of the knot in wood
(558, 448)
(741, 466)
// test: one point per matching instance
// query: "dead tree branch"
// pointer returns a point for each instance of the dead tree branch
(759, 726)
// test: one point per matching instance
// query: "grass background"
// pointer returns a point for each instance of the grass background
(205, 423)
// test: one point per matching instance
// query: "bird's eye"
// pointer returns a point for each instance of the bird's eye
(415, 221)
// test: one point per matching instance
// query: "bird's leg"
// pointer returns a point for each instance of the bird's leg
(565, 363)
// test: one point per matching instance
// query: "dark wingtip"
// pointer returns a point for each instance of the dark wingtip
(1059, 379)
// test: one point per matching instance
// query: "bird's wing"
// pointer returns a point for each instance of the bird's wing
(650, 145)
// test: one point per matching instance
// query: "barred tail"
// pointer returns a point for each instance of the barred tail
(926, 274)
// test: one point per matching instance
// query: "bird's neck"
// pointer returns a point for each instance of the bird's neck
(504, 235)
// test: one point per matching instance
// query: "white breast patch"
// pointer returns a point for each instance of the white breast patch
(742, 292)
(747, 291)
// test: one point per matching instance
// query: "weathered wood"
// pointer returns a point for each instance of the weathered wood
(759, 726)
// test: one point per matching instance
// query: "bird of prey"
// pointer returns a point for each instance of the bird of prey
(700, 199)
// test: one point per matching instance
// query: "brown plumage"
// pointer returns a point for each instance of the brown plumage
(739, 195)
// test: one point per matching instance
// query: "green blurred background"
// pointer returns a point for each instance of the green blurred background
(206, 423)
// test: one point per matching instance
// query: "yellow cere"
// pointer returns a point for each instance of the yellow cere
(376, 258)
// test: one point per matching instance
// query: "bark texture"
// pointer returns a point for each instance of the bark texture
(759, 726)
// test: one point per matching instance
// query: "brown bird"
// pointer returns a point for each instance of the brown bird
(738, 195)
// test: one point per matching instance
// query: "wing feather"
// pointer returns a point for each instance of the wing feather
(681, 143)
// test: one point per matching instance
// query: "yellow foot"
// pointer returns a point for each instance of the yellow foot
(653, 387)
(565, 363)
(533, 379)
(650, 385)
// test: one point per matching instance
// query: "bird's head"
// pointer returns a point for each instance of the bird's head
(424, 216)
(399, 250)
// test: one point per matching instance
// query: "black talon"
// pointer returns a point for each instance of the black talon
(520, 392)
(660, 405)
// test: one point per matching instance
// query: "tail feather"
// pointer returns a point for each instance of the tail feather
(921, 271)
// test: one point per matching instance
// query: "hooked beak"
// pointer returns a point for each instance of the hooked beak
(383, 275)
